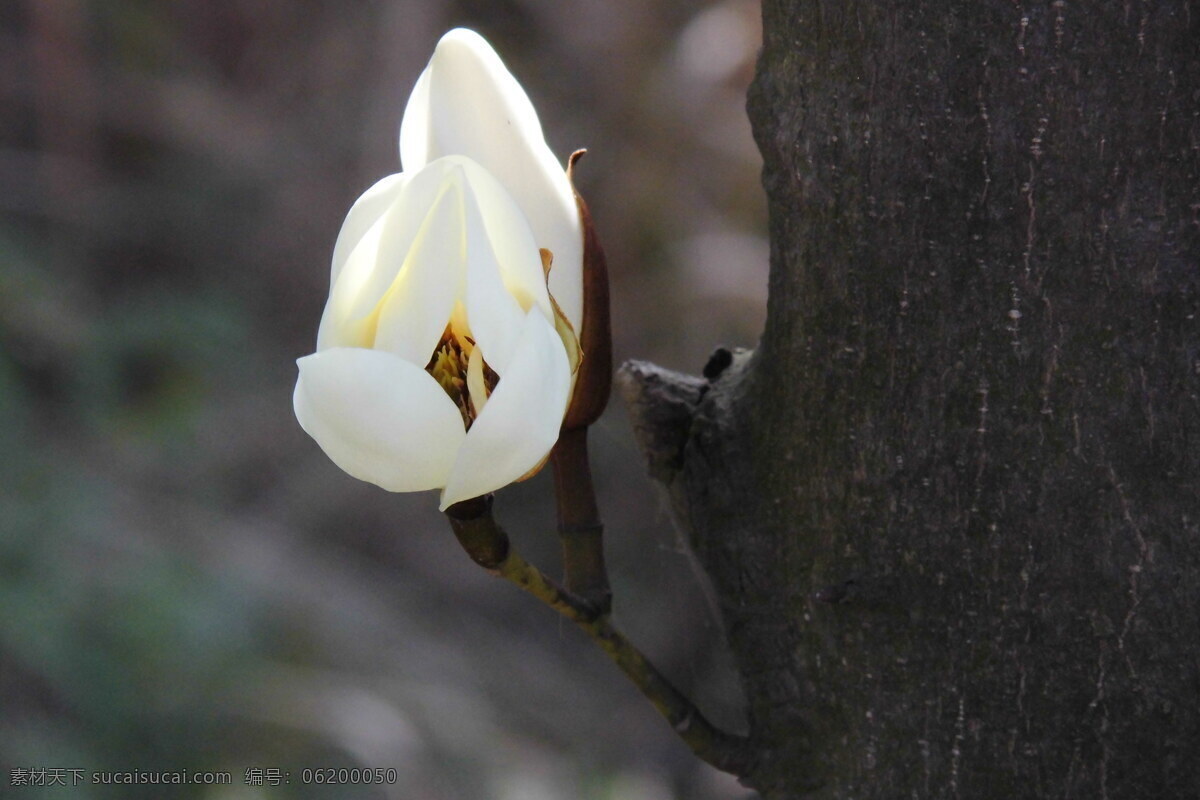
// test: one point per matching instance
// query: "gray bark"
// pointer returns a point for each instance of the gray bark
(949, 505)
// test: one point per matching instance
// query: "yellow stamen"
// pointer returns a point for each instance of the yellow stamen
(458, 367)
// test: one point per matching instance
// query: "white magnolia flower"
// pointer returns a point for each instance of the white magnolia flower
(442, 359)
(438, 361)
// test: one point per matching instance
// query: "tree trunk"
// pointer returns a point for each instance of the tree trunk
(949, 505)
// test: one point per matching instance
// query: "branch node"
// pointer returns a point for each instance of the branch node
(476, 530)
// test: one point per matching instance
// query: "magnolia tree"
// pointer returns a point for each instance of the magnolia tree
(949, 505)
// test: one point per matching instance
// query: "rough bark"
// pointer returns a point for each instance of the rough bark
(950, 504)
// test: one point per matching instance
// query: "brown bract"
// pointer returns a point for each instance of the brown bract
(594, 383)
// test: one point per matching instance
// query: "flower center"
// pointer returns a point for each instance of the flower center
(458, 367)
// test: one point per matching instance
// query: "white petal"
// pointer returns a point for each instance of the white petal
(476, 386)
(511, 238)
(560, 231)
(494, 315)
(520, 423)
(415, 310)
(414, 126)
(340, 326)
(367, 209)
(373, 264)
(466, 102)
(465, 81)
(495, 312)
(378, 417)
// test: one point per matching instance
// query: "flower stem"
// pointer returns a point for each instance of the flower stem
(487, 544)
(579, 525)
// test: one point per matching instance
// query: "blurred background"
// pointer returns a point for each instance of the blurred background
(186, 581)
